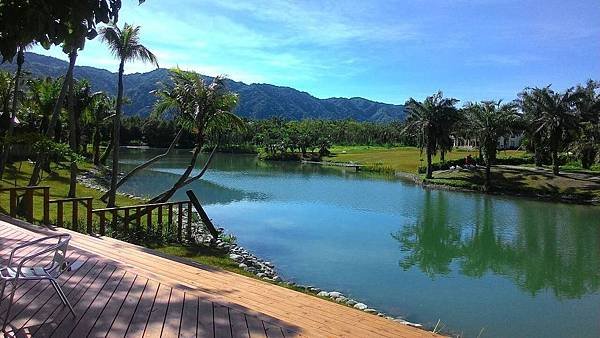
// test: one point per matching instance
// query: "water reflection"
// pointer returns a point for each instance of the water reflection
(551, 249)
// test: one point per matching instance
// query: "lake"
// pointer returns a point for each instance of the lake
(507, 266)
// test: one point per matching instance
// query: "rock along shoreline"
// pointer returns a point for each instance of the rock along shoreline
(248, 261)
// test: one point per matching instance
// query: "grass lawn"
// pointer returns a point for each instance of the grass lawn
(526, 181)
(59, 187)
(402, 159)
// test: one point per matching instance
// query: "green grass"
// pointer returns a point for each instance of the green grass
(58, 182)
(535, 183)
(401, 159)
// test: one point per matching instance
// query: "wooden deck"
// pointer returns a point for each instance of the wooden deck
(122, 290)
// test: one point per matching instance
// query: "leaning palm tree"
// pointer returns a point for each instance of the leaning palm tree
(201, 108)
(587, 103)
(489, 120)
(124, 45)
(431, 121)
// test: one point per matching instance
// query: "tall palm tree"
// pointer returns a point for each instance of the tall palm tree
(15, 104)
(587, 103)
(124, 45)
(557, 119)
(489, 120)
(532, 112)
(201, 108)
(100, 110)
(431, 121)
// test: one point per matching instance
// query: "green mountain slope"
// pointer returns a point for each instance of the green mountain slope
(258, 101)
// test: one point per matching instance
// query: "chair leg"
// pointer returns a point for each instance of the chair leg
(62, 296)
(10, 301)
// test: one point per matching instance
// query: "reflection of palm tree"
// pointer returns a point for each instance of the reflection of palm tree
(431, 242)
(485, 250)
(549, 250)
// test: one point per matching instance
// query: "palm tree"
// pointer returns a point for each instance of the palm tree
(201, 108)
(100, 110)
(527, 100)
(489, 120)
(556, 120)
(15, 104)
(42, 95)
(587, 103)
(124, 45)
(431, 120)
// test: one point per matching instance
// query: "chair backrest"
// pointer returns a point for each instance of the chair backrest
(60, 253)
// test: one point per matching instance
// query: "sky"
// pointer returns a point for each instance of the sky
(386, 51)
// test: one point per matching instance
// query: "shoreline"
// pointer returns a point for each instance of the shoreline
(427, 184)
(249, 262)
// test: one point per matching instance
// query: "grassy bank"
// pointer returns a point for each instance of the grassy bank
(572, 185)
(401, 159)
(58, 181)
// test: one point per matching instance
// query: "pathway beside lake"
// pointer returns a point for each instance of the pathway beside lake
(239, 306)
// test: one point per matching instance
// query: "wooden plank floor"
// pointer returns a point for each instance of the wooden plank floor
(123, 290)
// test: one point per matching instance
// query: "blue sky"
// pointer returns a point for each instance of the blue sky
(381, 50)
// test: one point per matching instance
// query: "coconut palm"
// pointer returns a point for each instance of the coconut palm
(201, 108)
(532, 112)
(125, 45)
(101, 109)
(556, 120)
(587, 103)
(431, 120)
(489, 120)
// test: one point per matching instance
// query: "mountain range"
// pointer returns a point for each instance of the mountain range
(257, 101)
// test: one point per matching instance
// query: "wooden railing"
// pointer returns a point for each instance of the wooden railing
(27, 202)
(87, 202)
(152, 219)
(134, 215)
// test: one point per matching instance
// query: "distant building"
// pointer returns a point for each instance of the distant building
(512, 141)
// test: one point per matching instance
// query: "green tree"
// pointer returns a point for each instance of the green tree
(124, 45)
(489, 120)
(556, 120)
(430, 120)
(587, 144)
(201, 108)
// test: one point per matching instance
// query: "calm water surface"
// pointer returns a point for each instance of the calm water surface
(512, 267)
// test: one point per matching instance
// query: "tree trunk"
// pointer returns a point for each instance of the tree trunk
(429, 167)
(96, 145)
(443, 156)
(13, 112)
(41, 158)
(147, 163)
(555, 162)
(488, 174)
(116, 136)
(107, 151)
(72, 134)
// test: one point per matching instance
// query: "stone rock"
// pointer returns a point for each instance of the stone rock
(235, 257)
(323, 294)
(351, 302)
(335, 294)
(243, 266)
(360, 306)
(372, 311)
(313, 289)
(341, 299)
(260, 275)
(277, 279)
(381, 314)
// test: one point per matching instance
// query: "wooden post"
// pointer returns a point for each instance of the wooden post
(126, 220)
(203, 216)
(139, 218)
(29, 205)
(160, 220)
(179, 221)
(189, 222)
(59, 213)
(115, 219)
(149, 220)
(75, 214)
(13, 203)
(102, 223)
(90, 229)
(170, 220)
(46, 217)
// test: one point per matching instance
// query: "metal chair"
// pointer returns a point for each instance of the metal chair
(26, 270)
